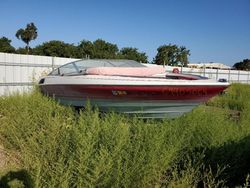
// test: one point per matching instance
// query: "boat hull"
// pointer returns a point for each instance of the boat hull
(148, 101)
(142, 109)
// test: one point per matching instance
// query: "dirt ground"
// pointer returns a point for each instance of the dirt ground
(3, 157)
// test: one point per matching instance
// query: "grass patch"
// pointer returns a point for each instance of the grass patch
(58, 147)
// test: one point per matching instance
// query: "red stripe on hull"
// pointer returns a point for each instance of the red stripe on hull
(200, 93)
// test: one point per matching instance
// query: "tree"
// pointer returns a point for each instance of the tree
(27, 34)
(165, 54)
(104, 50)
(23, 51)
(171, 55)
(56, 48)
(5, 45)
(86, 49)
(133, 54)
(182, 55)
(99, 49)
(243, 65)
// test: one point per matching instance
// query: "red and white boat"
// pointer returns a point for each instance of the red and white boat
(129, 87)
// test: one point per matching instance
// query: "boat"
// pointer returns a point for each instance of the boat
(128, 87)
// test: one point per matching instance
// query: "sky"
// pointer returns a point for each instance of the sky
(213, 30)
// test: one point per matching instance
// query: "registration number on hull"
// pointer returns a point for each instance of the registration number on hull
(118, 92)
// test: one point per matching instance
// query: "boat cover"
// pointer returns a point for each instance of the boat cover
(125, 71)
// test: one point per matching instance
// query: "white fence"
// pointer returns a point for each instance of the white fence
(233, 76)
(18, 72)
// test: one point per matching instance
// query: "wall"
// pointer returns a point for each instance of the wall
(18, 72)
(233, 76)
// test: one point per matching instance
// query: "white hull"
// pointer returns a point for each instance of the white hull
(143, 109)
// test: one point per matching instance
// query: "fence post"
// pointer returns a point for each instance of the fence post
(229, 75)
(238, 76)
(5, 68)
(248, 77)
(204, 70)
(53, 63)
(217, 72)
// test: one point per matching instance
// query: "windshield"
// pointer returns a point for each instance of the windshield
(79, 67)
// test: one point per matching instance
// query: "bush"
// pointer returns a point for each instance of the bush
(59, 147)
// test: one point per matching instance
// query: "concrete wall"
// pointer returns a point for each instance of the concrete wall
(18, 72)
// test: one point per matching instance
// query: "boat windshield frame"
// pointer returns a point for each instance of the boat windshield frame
(80, 66)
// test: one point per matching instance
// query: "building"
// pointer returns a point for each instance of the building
(209, 66)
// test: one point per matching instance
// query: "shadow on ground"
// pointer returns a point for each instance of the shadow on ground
(22, 176)
(235, 156)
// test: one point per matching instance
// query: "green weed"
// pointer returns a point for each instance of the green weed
(59, 147)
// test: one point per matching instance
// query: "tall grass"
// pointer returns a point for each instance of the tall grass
(59, 147)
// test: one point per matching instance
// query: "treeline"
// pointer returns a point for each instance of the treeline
(243, 65)
(170, 54)
(100, 49)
